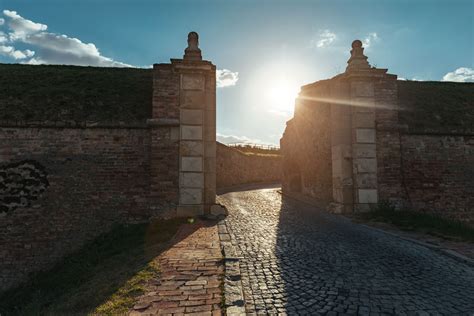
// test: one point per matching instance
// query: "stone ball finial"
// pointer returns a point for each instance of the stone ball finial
(356, 44)
(193, 40)
(192, 52)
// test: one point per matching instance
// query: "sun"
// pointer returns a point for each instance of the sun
(281, 94)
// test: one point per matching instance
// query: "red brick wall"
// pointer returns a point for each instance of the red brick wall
(97, 177)
(438, 173)
(165, 92)
(234, 167)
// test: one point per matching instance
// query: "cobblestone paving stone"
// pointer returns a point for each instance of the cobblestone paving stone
(301, 260)
(191, 276)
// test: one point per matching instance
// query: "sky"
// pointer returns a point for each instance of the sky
(264, 50)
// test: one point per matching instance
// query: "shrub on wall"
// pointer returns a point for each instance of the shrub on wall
(20, 184)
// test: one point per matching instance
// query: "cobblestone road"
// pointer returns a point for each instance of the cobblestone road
(299, 260)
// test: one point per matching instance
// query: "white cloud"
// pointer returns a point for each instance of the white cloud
(463, 74)
(226, 78)
(401, 78)
(370, 39)
(20, 26)
(2, 21)
(3, 37)
(51, 48)
(10, 51)
(229, 139)
(325, 38)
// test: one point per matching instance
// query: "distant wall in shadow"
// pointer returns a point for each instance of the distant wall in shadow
(235, 167)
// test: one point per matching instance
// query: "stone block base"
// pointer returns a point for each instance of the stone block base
(364, 207)
(189, 210)
(218, 210)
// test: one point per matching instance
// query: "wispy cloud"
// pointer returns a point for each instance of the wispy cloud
(226, 78)
(370, 39)
(324, 39)
(229, 139)
(462, 74)
(46, 47)
(2, 21)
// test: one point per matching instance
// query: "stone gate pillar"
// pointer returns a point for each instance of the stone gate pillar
(185, 100)
(366, 86)
(362, 93)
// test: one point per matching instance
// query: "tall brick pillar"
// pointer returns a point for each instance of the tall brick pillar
(354, 133)
(185, 100)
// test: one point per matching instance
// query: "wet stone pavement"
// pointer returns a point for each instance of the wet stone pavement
(299, 260)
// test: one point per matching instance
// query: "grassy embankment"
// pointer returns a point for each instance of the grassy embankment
(73, 93)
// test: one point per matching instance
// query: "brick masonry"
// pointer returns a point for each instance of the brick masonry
(96, 177)
(438, 174)
(235, 167)
(365, 135)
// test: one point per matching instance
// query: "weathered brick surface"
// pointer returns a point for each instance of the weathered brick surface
(165, 92)
(164, 165)
(388, 143)
(191, 275)
(96, 177)
(235, 167)
(438, 174)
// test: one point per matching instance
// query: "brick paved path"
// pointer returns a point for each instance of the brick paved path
(298, 260)
(191, 276)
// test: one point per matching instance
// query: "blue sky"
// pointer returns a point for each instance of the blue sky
(269, 48)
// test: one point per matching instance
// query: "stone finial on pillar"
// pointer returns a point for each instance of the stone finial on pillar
(358, 60)
(192, 52)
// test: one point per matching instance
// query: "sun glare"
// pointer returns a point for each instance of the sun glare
(281, 95)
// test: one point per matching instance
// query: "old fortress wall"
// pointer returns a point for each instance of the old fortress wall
(235, 167)
(77, 156)
(364, 137)
(84, 148)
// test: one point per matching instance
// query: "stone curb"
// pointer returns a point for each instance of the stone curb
(444, 251)
(233, 290)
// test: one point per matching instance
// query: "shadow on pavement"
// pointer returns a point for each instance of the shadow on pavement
(329, 264)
